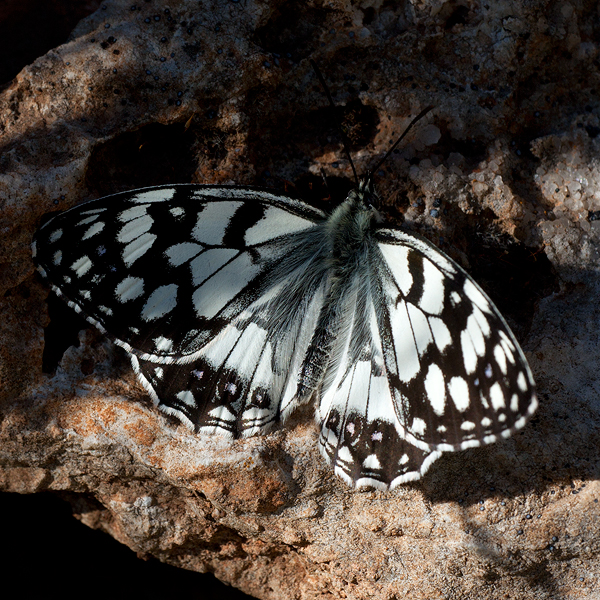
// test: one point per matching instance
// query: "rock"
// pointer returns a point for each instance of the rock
(504, 176)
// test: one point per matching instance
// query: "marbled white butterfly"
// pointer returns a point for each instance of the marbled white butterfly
(238, 304)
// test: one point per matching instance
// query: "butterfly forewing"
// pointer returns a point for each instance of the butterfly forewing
(457, 373)
(424, 359)
(163, 270)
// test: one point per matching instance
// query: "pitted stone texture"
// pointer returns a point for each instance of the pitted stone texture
(508, 159)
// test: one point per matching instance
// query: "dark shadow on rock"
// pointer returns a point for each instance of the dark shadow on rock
(59, 539)
(152, 155)
(29, 28)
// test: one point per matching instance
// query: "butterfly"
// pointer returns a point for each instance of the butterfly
(236, 305)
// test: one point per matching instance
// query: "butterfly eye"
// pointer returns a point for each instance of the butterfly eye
(374, 202)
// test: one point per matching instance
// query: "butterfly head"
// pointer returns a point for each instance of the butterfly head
(368, 199)
(365, 193)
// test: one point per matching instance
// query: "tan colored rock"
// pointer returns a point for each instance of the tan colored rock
(515, 86)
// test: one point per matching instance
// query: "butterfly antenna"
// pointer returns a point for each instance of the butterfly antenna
(326, 183)
(410, 126)
(338, 125)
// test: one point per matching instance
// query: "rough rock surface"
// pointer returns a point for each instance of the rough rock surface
(148, 92)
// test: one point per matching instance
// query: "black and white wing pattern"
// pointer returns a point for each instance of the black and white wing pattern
(425, 364)
(211, 289)
(236, 305)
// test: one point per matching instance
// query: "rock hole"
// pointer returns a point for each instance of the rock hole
(153, 155)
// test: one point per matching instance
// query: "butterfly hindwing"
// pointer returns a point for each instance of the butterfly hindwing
(424, 363)
(361, 432)
(245, 379)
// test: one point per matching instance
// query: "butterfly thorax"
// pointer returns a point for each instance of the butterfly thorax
(349, 228)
